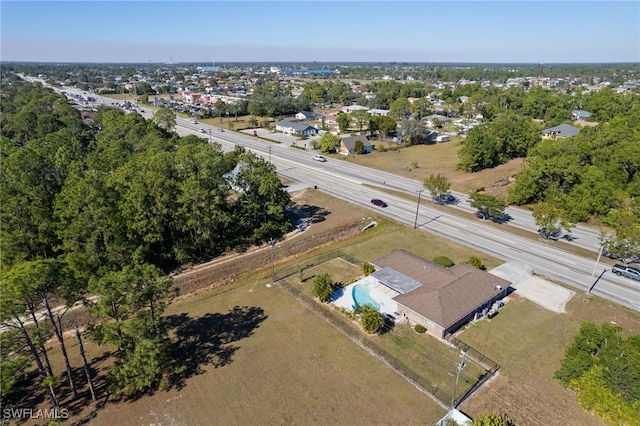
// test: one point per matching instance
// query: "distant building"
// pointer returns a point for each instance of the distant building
(294, 128)
(306, 115)
(208, 69)
(580, 115)
(379, 112)
(348, 145)
(351, 108)
(561, 131)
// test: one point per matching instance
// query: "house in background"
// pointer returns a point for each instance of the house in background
(293, 128)
(441, 299)
(378, 112)
(580, 115)
(191, 98)
(561, 131)
(306, 116)
(432, 120)
(351, 108)
(348, 144)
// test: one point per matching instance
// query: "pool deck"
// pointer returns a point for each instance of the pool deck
(344, 297)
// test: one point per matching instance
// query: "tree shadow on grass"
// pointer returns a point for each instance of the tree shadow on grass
(306, 215)
(208, 340)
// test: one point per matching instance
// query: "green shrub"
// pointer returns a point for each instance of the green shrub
(419, 328)
(476, 262)
(367, 269)
(323, 287)
(371, 320)
(443, 261)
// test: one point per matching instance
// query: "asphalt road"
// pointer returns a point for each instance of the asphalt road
(359, 185)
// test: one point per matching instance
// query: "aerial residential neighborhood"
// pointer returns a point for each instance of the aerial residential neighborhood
(242, 223)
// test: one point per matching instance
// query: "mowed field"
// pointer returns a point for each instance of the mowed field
(529, 343)
(440, 158)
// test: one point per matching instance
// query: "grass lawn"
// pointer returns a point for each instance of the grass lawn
(424, 354)
(529, 343)
(272, 361)
(440, 158)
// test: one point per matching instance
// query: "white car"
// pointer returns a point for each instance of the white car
(203, 131)
(319, 158)
(194, 122)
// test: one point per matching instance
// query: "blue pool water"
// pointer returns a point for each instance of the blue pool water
(362, 296)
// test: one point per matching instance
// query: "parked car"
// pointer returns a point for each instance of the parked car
(554, 234)
(379, 203)
(627, 257)
(444, 199)
(497, 218)
(319, 158)
(626, 271)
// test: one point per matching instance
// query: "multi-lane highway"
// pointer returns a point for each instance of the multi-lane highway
(359, 185)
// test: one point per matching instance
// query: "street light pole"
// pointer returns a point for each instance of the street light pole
(594, 269)
(209, 134)
(415, 223)
(269, 153)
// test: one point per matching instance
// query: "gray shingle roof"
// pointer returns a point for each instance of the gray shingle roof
(350, 141)
(292, 124)
(446, 294)
(562, 131)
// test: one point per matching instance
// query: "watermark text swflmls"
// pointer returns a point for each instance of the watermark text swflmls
(35, 413)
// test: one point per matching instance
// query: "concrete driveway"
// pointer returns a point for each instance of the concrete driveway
(544, 293)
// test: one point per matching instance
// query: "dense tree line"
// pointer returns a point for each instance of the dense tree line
(508, 136)
(104, 209)
(603, 367)
(269, 99)
(589, 174)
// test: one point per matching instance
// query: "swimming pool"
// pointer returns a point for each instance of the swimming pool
(361, 296)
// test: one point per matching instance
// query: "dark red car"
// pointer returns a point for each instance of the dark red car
(379, 203)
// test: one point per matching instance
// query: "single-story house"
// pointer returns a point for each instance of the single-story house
(378, 112)
(306, 115)
(432, 120)
(463, 99)
(580, 115)
(441, 299)
(347, 145)
(351, 108)
(294, 128)
(561, 131)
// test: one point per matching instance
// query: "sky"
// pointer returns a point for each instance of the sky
(323, 31)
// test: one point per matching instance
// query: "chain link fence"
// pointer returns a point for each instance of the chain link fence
(440, 396)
